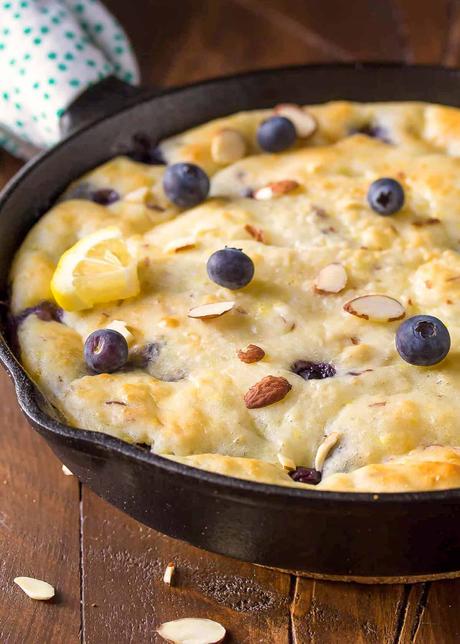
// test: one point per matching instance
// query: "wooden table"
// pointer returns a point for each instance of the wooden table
(106, 567)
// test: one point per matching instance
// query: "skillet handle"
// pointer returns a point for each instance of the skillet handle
(100, 101)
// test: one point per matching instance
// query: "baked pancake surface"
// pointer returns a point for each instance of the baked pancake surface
(337, 398)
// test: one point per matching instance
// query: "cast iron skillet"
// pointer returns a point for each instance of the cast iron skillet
(325, 533)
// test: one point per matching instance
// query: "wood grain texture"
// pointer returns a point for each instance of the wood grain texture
(39, 534)
(439, 614)
(361, 29)
(124, 595)
(8, 167)
(203, 39)
(329, 612)
(124, 598)
(412, 612)
(423, 33)
(451, 56)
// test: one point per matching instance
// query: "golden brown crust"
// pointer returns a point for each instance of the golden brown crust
(189, 402)
(431, 468)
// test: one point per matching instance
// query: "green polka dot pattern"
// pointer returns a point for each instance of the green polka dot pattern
(50, 52)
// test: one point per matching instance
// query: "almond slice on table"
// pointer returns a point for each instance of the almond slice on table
(304, 122)
(209, 311)
(252, 353)
(192, 630)
(324, 449)
(275, 189)
(267, 391)
(66, 470)
(380, 308)
(169, 573)
(331, 279)
(35, 588)
(228, 146)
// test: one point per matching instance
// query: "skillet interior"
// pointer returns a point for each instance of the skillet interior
(327, 533)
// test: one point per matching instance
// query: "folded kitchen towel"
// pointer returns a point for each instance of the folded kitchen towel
(50, 52)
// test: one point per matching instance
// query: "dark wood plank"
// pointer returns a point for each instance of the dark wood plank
(125, 598)
(39, 534)
(423, 27)
(330, 612)
(413, 612)
(208, 38)
(452, 40)
(362, 29)
(439, 614)
(8, 166)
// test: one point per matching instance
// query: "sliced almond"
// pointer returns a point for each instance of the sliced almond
(331, 279)
(429, 221)
(192, 630)
(264, 194)
(228, 146)
(256, 233)
(177, 245)
(275, 189)
(169, 573)
(287, 322)
(66, 471)
(137, 196)
(304, 121)
(209, 311)
(286, 462)
(324, 449)
(380, 308)
(121, 327)
(35, 588)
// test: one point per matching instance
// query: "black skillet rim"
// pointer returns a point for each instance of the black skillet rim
(27, 392)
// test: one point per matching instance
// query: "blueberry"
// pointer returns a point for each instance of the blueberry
(144, 446)
(142, 356)
(276, 134)
(85, 190)
(231, 268)
(45, 311)
(248, 193)
(386, 196)
(373, 131)
(145, 151)
(185, 184)
(422, 340)
(313, 370)
(105, 351)
(82, 190)
(105, 196)
(306, 475)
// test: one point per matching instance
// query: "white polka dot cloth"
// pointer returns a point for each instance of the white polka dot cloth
(50, 52)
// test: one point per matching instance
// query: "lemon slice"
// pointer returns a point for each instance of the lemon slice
(99, 268)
